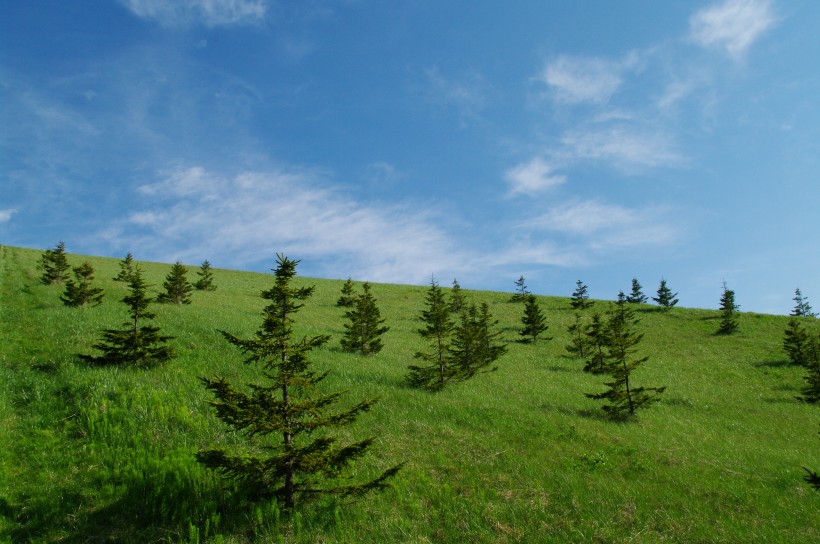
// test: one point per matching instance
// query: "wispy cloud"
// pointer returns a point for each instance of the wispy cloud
(733, 25)
(244, 218)
(5, 215)
(467, 94)
(626, 147)
(207, 12)
(532, 177)
(576, 79)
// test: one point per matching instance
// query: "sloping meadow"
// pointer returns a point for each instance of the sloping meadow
(92, 454)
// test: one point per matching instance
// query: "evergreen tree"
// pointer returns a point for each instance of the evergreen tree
(437, 330)
(597, 341)
(206, 278)
(533, 320)
(811, 391)
(623, 397)
(796, 342)
(475, 343)
(54, 264)
(521, 291)
(177, 288)
(348, 298)
(665, 299)
(363, 332)
(285, 458)
(802, 308)
(136, 344)
(81, 292)
(578, 341)
(637, 296)
(728, 319)
(126, 268)
(580, 298)
(457, 302)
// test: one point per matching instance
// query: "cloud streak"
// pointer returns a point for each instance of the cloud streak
(210, 13)
(576, 79)
(533, 177)
(733, 25)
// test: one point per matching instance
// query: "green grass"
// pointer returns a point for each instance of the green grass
(90, 454)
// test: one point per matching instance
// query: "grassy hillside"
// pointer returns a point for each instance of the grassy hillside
(91, 454)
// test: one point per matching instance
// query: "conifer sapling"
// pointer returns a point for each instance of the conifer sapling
(580, 298)
(533, 320)
(457, 302)
(348, 296)
(177, 288)
(206, 278)
(521, 291)
(437, 330)
(54, 265)
(365, 328)
(126, 268)
(636, 296)
(665, 299)
(80, 293)
(728, 319)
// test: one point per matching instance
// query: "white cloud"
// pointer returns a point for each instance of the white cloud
(243, 219)
(207, 12)
(5, 215)
(532, 177)
(733, 25)
(625, 146)
(584, 79)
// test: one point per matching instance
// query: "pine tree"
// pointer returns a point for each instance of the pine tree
(533, 320)
(623, 397)
(475, 343)
(728, 319)
(457, 302)
(796, 342)
(363, 332)
(81, 293)
(580, 298)
(802, 308)
(578, 341)
(437, 330)
(665, 299)
(285, 459)
(136, 344)
(126, 268)
(521, 291)
(206, 278)
(637, 296)
(177, 288)
(811, 391)
(54, 265)
(348, 298)
(597, 341)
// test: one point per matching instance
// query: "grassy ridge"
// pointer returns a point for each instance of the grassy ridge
(519, 455)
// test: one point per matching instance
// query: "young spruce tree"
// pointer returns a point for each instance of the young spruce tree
(206, 278)
(728, 319)
(474, 345)
(580, 298)
(636, 296)
(54, 264)
(348, 296)
(577, 346)
(802, 308)
(811, 391)
(597, 340)
(665, 299)
(457, 302)
(81, 293)
(177, 288)
(363, 332)
(521, 291)
(623, 397)
(437, 330)
(797, 342)
(533, 320)
(286, 419)
(126, 269)
(136, 344)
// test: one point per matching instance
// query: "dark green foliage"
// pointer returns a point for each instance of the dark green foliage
(802, 308)
(437, 330)
(54, 265)
(811, 391)
(580, 297)
(665, 299)
(284, 459)
(126, 268)
(521, 291)
(134, 345)
(636, 296)
(475, 343)
(348, 297)
(81, 293)
(206, 278)
(177, 288)
(533, 320)
(796, 342)
(728, 319)
(364, 329)
(457, 302)
(597, 341)
(623, 397)
(578, 340)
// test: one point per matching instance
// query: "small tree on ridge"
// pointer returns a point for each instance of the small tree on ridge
(81, 293)
(177, 287)
(665, 299)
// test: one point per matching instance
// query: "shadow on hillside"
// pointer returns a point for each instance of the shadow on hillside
(782, 363)
(588, 413)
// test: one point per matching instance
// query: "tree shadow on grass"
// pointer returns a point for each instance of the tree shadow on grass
(782, 363)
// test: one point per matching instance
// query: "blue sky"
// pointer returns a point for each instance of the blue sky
(392, 141)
